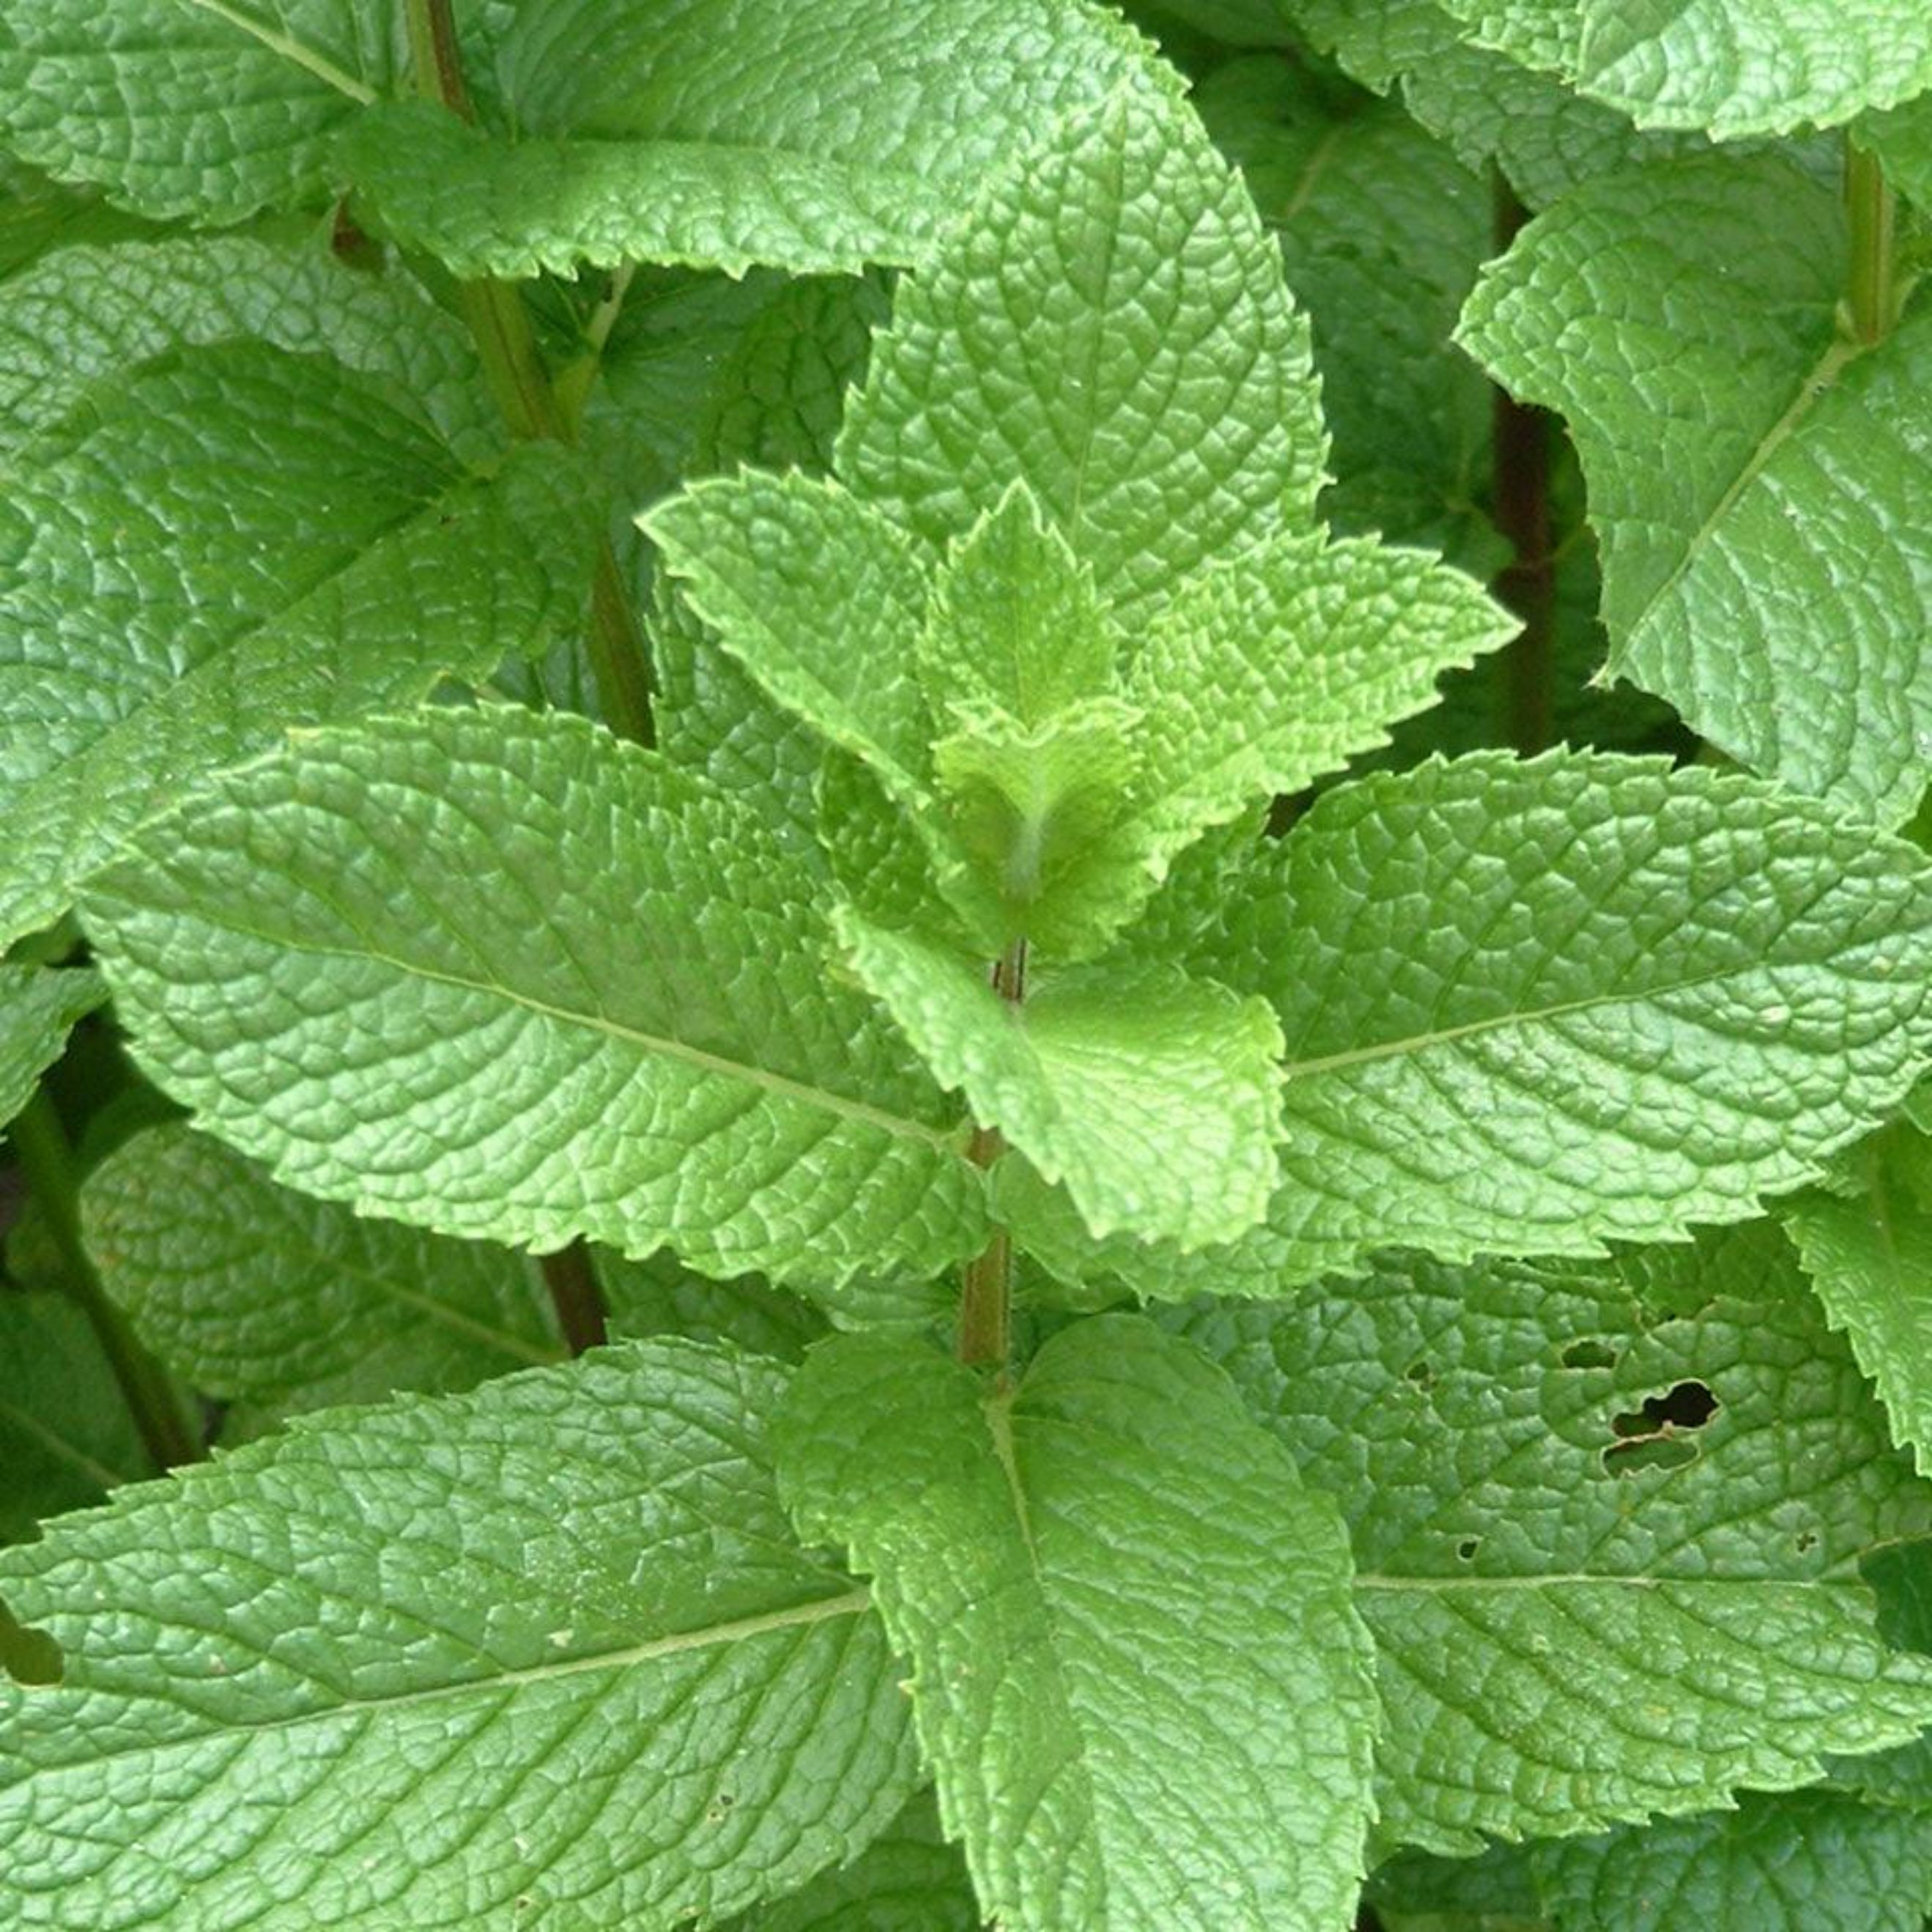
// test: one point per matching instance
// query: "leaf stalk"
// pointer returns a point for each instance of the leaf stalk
(513, 367)
(41, 1145)
(986, 1287)
(1872, 291)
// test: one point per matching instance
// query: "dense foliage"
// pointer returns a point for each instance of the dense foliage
(965, 963)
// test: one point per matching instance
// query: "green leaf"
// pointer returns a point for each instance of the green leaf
(1493, 1892)
(1531, 1007)
(814, 135)
(1729, 67)
(253, 1293)
(66, 1435)
(1033, 1553)
(908, 1879)
(498, 974)
(1034, 809)
(1755, 480)
(819, 596)
(1266, 671)
(88, 312)
(1870, 1259)
(1153, 1095)
(1807, 1862)
(39, 217)
(38, 1008)
(660, 1297)
(1381, 230)
(1015, 621)
(233, 540)
(1610, 1561)
(548, 1643)
(1109, 326)
(210, 109)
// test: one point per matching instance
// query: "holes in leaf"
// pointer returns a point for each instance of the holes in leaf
(29, 1657)
(1589, 1354)
(1808, 1541)
(1649, 1438)
(1420, 1374)
(1466, 1549)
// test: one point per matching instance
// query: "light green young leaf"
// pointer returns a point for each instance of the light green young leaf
(253, 1293)
(1611, 1561)
(1152, 1095)
(1870, 1259)
(1804, 1861)
(1015, 621)
(198, 107)
(908, 1879)
(233, 540)
(1531, 1007)
(1109, 326)
(1729, 66)
(1756, 482)
(547, 1648)
(1266, 671)
(813, 134)
(88, 312)
(1033, 1553)
(1034, 809)
(39, 1006)
(820, 597)
(498, 974)
(67, 1435)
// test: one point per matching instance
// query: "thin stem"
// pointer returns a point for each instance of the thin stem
(986, 1286)
(513, 367)
(1520, 445)
(1872, 291)
(575, 1295)
(47, 1162)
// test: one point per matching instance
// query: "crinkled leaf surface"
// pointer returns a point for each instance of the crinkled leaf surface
(1869, 1255)
(1586, 1611)
(1805, 1861)
(1731, 66)
(908, 1879)
(1265, 672)
(250, 1291)
(1152, 1095)
(1109, 325)
(38, 1008)
(819, 596)
(550, 1642)
(85, 312)
(500, 975)
(1135, 1672)
(816, 133)
(1531, 1006)
(1382, 230)
(1757, 483)
(67, 1436)
(198, 107)
(233, 540)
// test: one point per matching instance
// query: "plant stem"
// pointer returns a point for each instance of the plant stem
(1520, 454)
(1872, 289)
(575, 1295)
(47, 1162)
(986, 1286)
(513, 367)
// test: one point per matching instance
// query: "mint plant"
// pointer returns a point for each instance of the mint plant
(853, 1084)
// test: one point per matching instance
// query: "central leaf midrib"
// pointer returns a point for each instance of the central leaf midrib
(824, 1099)
(998, 1411)
(817, 1609)
(295, 51)
(1296, 1070)
(62, 1450)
